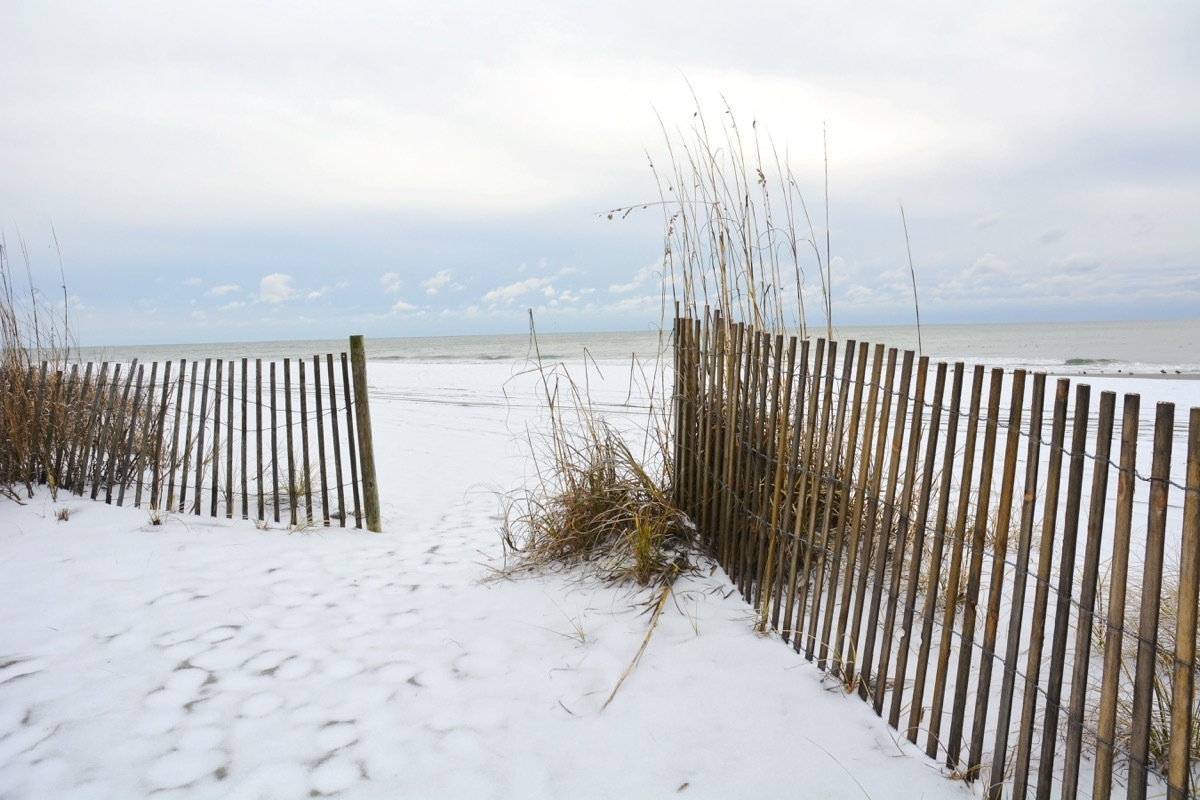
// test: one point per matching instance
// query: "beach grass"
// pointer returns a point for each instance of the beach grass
(33, 403)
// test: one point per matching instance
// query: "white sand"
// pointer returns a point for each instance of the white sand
(207, 658)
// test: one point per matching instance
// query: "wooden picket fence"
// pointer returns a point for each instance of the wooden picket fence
(881, 528)
(270, 442)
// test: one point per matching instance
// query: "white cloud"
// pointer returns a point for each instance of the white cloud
(644, 274)
(512, 291)
(275, 288)
(391, 282)
(400, 307)
(223, 289)
(192, 282)
(313, 294)
(439, 281)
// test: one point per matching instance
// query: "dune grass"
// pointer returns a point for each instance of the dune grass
(36, 346)
(731, 207)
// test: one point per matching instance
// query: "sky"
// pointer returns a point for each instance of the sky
(233, 171)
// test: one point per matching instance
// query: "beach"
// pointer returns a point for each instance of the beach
(183, 656)
(213, 658)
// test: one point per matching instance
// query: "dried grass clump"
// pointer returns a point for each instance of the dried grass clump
(62, 426)
(596, 502)
(34, 347)
(601, 509)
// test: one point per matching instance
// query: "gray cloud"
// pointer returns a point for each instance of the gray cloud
(1052, 235)
(177, 140)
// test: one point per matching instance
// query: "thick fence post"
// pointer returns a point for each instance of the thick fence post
(366, 449)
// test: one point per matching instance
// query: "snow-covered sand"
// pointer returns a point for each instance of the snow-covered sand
(209, 658)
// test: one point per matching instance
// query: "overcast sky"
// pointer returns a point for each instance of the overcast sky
(227, 171)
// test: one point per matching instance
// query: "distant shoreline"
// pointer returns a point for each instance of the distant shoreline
(1139, 376)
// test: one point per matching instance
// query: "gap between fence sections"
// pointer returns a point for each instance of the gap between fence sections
(921, 536)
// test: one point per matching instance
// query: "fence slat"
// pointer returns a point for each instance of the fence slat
(814, 551)
(260, 465)
(870, 687)
(807, 454)
(780, 436)
(1020, 581)
(146, 448)
(126, 460)
(306, 468)
(230, 400)
(712, 444)
(201, 428)
(755, 450)
(156, 470)
(916, 709)
(1118, 577)
(117, 439)
(787, 540)
(954, 577)
(1152, 579)
(1066, 579)
(999, 553)
(1085, 587)
(900, 511)
(216, 444)
(337, 447)
(917, 558)
(738, 511)
(1183, 684)
(350, 439)
(845, 641)
(838, 479)
(102, 453)
(1042, 593)
(867, 548)
(245, 438)
(274, 444)
(845, 459)
(321, 440)
(293, 488)
(65, 425)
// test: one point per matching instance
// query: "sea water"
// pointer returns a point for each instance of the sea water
(1168, 348)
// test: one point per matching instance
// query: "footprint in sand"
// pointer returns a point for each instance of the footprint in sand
(293, 668)
(221, 634)
(177, 769)
(267, 662)
(335, 774)
(261, 705)
(176, 597)
(221, 657)
(188, 680)
(164, 699)
(336, 735)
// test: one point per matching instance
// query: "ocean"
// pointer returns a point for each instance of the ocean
(1166, 348)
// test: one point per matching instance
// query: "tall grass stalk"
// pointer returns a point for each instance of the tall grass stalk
(35, 344)
(738, 238)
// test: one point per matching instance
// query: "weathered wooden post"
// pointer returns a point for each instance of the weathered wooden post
(362, 413)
